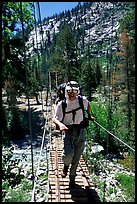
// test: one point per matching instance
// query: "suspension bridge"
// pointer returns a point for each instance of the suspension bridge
(58, 187)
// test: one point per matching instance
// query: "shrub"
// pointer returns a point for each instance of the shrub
(21, 193)
(128, 185)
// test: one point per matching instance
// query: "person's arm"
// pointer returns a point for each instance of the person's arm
(89, 112)
(57, 117)
(62, 127)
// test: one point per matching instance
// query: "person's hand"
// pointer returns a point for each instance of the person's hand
(91, 118)
(63, 127)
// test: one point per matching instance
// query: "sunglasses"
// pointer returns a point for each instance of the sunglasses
(72, 90)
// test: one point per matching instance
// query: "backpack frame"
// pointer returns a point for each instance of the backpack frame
(61, 91)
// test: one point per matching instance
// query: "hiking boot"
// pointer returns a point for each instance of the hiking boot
(72, 184)
(64, 171)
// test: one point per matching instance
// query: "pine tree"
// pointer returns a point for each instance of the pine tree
(64, 58)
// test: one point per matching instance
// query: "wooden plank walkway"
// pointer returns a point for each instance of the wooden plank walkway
(59, 187)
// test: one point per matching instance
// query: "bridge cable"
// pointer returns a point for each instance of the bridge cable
(38, 63)
(114, 135)
(36, 177)
(33, 192)
(30, 127)
(42, 45)
(109, 63)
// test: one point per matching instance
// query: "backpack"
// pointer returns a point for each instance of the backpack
(85, 122)
(61, 92)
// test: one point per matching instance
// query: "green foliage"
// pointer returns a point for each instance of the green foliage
(100, 112)
(10, 178)
(21, 193)
(101, 187)
(128, 21)
(128, 162)
(13, 72)
(15, 123)
(112, 190)
(33, 82)
(128, 185)
(90, 76)
(116, 126)
(95, 162)
(15, 187)
(65, 55)
(7, 165)
(14, 12)
(5, 130)
(12, 125)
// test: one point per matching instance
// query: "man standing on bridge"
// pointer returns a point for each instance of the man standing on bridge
(70, 124)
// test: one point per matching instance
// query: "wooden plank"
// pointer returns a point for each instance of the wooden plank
(83, 181)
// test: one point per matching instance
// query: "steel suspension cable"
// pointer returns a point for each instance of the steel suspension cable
(39, 159)
(41, 43)
(36, 37)
(110, 71)
(114, 135)
(50, 135)
(29, 112)
(40, 21)
(36, 177)
(109, 118)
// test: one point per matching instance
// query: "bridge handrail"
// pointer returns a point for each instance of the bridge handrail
(39, 159)
(114, 136)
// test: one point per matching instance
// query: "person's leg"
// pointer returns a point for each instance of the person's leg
(68, 150)
(67, 154)
(78, 150)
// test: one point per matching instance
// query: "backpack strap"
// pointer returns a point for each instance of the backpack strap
(64, 105)
(73, 112)
(81, 104)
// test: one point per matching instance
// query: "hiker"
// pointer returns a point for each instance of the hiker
(74, 134)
